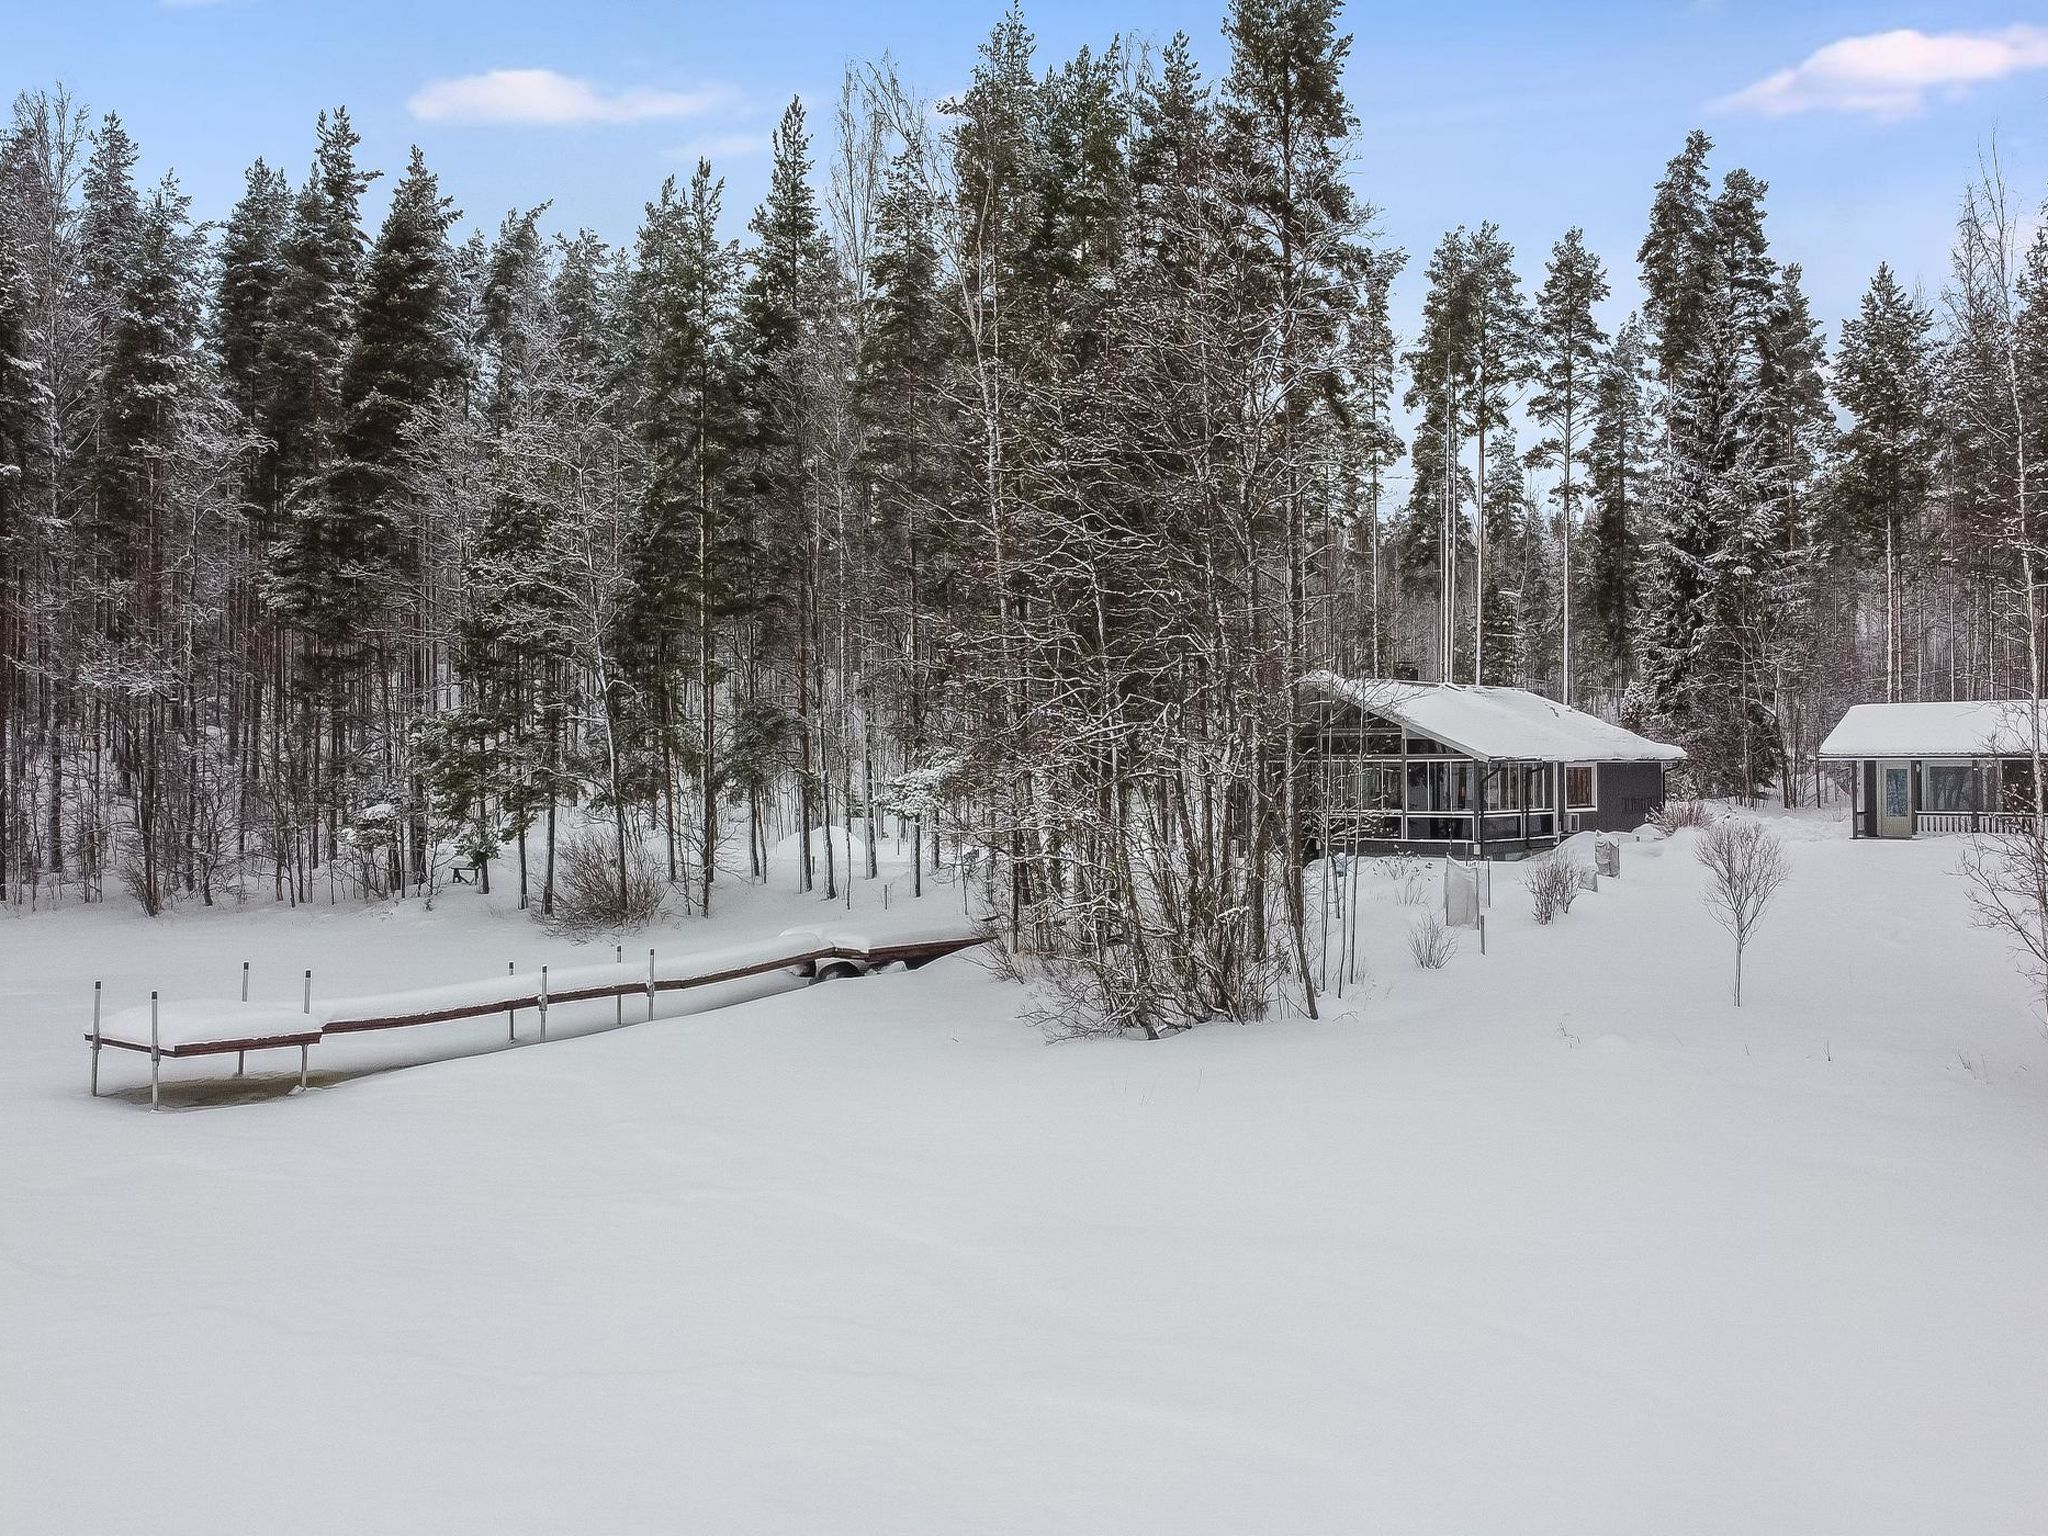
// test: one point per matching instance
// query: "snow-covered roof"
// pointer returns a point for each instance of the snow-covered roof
(1490, 723)
(1945, 728)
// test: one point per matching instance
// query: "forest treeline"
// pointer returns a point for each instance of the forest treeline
(998, 488)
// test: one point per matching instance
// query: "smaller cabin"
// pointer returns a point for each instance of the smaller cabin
(1427, 767)
(1945, 766)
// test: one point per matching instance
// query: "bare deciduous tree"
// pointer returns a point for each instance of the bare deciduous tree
(1746, 864)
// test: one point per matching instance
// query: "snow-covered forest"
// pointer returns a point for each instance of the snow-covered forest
(1001, 483)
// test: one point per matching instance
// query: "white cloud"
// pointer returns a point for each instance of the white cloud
(1891, 74)
(545, 97)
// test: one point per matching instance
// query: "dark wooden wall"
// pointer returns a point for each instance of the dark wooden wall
(1624, 796)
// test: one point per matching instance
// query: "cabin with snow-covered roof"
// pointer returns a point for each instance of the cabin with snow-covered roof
(1945, 765)
(1402, 766)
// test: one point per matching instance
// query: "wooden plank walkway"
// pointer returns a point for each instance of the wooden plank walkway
(241, 1028)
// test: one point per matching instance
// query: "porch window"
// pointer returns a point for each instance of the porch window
(1440, 786)
(1951, 787)
(1504, 787)
(1354, 784)
(1539, 787)
(1578, 787)
(2017, 786)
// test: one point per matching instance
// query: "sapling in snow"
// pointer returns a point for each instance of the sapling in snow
(1746, 864)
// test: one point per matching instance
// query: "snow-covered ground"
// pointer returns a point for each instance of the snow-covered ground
(1553, 1240)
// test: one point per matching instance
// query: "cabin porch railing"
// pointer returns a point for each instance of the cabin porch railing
(1971, 823)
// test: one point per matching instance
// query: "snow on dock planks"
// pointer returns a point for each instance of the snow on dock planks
(214, 1027)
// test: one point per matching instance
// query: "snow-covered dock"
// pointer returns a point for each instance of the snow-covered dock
(216, 1027)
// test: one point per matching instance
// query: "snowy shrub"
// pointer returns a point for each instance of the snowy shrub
(1409, 877)
(1553, 880)
(1431, 942)
(594, 894)
(1674, 814)
(139, 876)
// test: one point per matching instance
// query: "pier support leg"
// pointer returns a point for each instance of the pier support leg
(302, 1069)
(95, 1039)
(155, 1060)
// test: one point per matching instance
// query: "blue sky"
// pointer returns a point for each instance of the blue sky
(1864, 118)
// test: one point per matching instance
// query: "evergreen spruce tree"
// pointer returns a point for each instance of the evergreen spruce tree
(1510, 533)
(1619, 471)
(1706, 585)
(149, 372)
(109, 223)
(251, 272)
(109, 239)
(678, 581)
(787, 355)
(149, 359)
(305, 349)
(907, 434)
(1885, 378)
(400, 356)
(1676, 255)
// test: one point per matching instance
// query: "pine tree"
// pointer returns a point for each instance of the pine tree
(1440, 369)
(1568, 343)
(1372, 449)
(1500, 357)
(17, 545)
(1285, 123)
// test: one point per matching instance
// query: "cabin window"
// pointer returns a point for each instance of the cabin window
(1578, 787)
(2017, 788)
(1423, 746)
(1504, 787)
(1350, 784)
(1951, 787)
(1440, 786)
(1539, 786)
